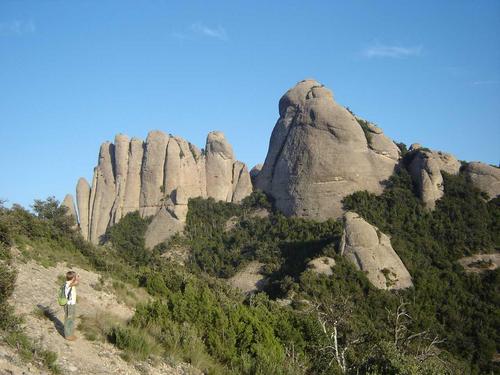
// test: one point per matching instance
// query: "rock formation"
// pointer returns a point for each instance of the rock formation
(485, 177)
(319, 153)
(322, 265)
(371, 251)
(162, 227)
(254, 172)
(425, 167)
(378, 141)
(69, 203)
(83, 199)
(157, 176)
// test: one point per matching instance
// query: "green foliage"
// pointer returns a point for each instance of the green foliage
(197, 318)
(283, 244)
(430, 243)
(57, 214)
(127, 237)
(11, 325)
(257, 200)
(135, 343)
(246, 338)
(366, 129)
(402, 148)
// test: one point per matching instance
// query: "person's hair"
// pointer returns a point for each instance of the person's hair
(70, 275)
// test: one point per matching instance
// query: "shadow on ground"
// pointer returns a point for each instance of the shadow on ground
(50, 314)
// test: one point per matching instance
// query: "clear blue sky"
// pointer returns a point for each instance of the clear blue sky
(75, 73)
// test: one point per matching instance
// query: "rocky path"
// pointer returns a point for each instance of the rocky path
(36, 289)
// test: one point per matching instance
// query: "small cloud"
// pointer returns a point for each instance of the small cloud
(395, 52)
(213, 32)
(486, 82)
(198, 29)
(17, 27)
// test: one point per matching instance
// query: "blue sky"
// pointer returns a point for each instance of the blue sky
(75, 73)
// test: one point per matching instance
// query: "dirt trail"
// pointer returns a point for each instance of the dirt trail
(36, 288)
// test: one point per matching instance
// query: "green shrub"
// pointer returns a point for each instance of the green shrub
(127, 237)
(430, 243)
(136, 343)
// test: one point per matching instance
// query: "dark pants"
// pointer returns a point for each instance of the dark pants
(69, 320)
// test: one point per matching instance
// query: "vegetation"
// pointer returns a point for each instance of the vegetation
(463, 309)
(303, 322)
(10, 325)
(366, 129)
(283, 244)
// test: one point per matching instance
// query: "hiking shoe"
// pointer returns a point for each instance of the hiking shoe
(71, 338)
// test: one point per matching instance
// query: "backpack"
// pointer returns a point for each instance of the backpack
(62, 300)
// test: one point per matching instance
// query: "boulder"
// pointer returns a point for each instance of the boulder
(318, 154)
(250, 279)
(163, 226)
(371, 251)
(425, 167)
(485, 177)
(322, 265)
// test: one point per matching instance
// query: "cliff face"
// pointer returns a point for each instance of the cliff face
(164, 171)
(319, 153)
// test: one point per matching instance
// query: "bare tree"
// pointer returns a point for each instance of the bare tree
(333, 318)
(422, 345)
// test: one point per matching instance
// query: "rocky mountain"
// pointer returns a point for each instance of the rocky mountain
(158, 175)
(485, 177)
(319, 153)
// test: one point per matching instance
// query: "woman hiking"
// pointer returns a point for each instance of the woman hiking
(72, 279)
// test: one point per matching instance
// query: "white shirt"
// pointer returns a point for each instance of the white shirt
(71, 298)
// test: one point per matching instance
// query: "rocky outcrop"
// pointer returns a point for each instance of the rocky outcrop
(133, 182)
(254, 172)
(378, 141)
(485, 177)
(122, 143)
(242, 183)
(152, 187)
(82, 200)
(250, 279)
(371, 251)
(319, 153)
(162, 227)
(219, 167)
(425, 167)
(103, 192)
(157, 176)
(69, 203)
(322, 265)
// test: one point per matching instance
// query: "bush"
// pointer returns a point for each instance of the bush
(430, 243)
(127, 238)
(136, 343)
(282, 243)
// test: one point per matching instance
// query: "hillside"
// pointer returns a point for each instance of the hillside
(193, 316)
